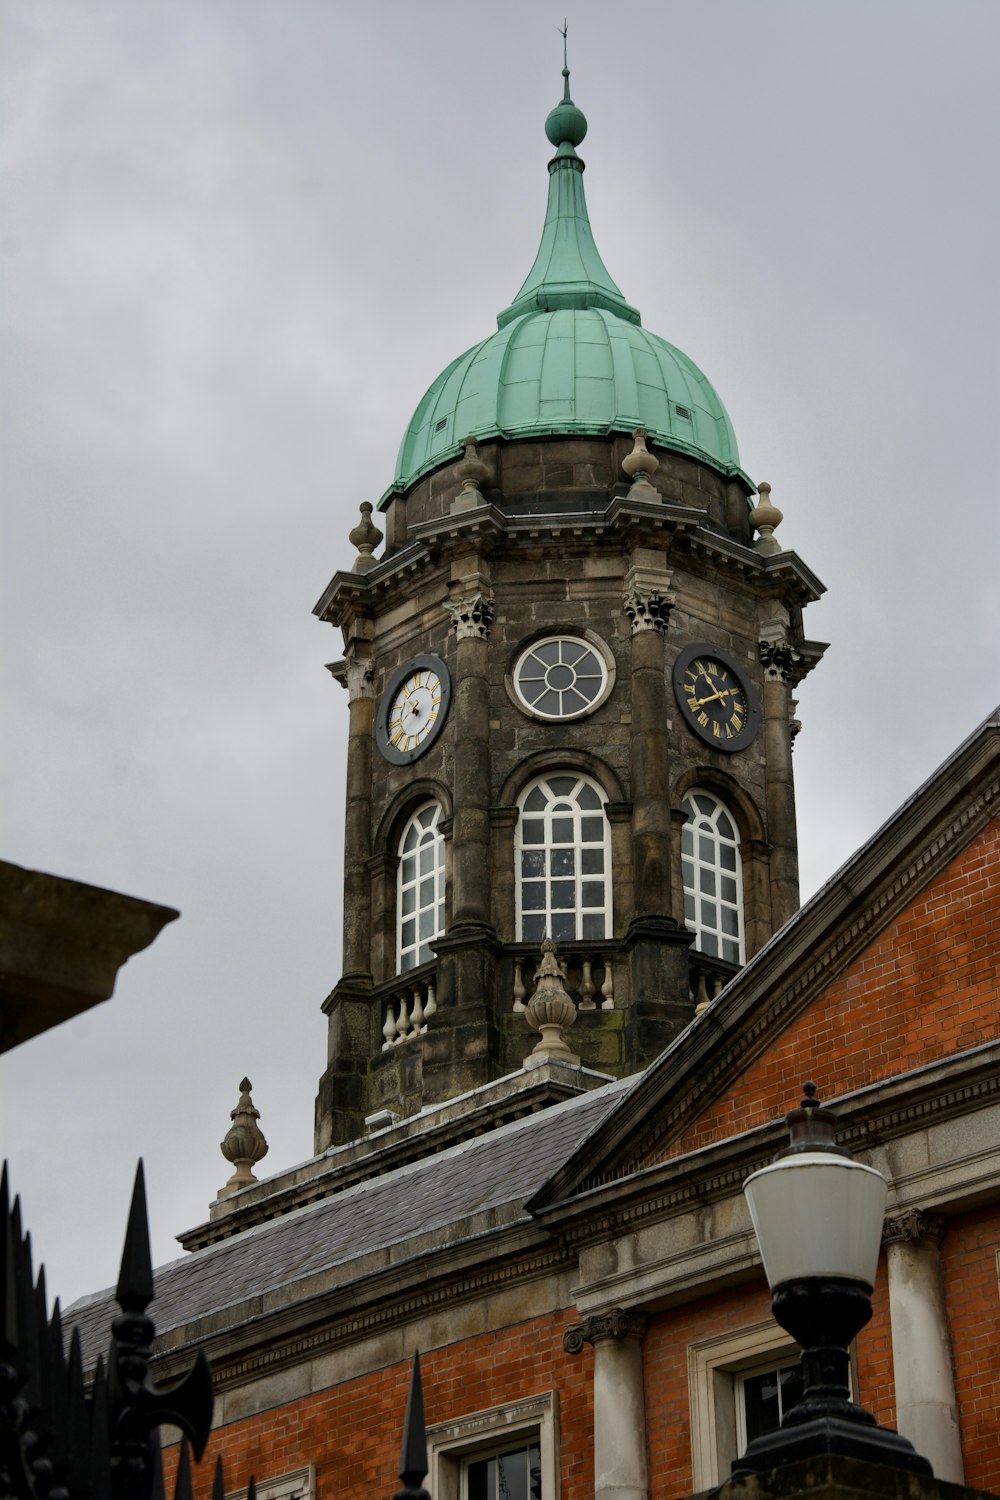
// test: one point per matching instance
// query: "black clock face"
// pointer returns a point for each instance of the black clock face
(412, 712)
(717, 701)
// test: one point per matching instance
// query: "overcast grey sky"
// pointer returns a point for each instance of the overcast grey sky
(240, 238)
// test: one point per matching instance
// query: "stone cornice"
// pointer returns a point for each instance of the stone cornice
(262, 1343)
(486, 529)
(826, 935)
(867, 1119)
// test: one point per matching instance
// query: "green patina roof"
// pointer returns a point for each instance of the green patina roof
(570, 355)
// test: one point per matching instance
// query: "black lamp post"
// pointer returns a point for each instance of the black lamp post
(818, 1218)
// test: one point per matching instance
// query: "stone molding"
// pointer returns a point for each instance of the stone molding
(914, 1224)
(736, 1159)
(274, 1352)
(471, 618)
(616, 1324)
(648, 608)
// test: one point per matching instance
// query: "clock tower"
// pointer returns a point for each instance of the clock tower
(570, 675)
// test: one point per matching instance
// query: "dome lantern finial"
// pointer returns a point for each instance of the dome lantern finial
(568, 271)
(566, 125)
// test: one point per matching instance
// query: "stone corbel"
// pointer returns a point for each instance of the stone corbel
(648, 607)
(914, 1224)
(471, 618)
(619, 1323)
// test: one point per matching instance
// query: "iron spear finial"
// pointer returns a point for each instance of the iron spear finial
(413, 1459)
(563, 33)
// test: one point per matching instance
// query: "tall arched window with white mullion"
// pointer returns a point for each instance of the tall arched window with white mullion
(419, 887)
(562, 850)
(712, 874)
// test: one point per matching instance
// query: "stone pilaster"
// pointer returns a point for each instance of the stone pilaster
(778, 661)
(619, 1402)
(359, 677)
(926, 1405)
(340, 1104)
(471, 619)
(466, 1052)
(656, 937)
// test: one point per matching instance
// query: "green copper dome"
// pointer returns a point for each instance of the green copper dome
(570, 355)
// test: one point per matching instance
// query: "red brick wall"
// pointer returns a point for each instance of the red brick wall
(969, 1255)
(352, 1432)
(927, 987)
(665, 1362)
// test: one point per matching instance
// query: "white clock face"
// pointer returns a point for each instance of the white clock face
(414, 709)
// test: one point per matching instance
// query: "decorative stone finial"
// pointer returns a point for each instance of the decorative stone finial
(639, 465)
(473, 473)
(549, 1011)
(366, 537)
(765, 517)
(244, 1143)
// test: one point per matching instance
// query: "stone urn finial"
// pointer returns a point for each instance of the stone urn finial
(549, 1011)
(640, 465)
(366, 537)
(473, 473)
(244, 1144)
(765, 516)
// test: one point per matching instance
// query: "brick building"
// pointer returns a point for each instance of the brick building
(578, 996)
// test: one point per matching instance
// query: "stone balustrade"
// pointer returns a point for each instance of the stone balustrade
(408, 1005)
(708, 977)
(588, 974)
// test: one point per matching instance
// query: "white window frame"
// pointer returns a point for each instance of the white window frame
(714, 1365)
(499, 1428)
(574, 645)
(547, 847)
(298, 1484)
(412, 951)
(700, 825)
(767, 1365)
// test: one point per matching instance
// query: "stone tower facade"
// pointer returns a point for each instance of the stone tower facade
(570, 676)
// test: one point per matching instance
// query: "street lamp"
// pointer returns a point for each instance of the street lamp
(818, 1218)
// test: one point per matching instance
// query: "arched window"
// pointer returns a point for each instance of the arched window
(713, 876)
(562, 851)
(420, 887)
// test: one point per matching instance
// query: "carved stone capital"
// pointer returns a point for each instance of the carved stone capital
(648, 608)
(471, 618)
(359, 675)
(619, 1323)
(778, 660)
(914, 1224)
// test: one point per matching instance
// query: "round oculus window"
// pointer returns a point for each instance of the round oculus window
(560, 677)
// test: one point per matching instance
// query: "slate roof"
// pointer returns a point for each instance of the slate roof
(495, 1173)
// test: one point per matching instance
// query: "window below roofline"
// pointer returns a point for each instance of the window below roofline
(715, 1368)
(450, 1445)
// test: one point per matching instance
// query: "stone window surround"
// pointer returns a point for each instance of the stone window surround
(298, 1484)
(715, 867)
(712, 1364)
(450, 1444)
(551, 632)
(438, 872)
(607, 876)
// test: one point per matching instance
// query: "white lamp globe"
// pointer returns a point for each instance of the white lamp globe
(817, 1214)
